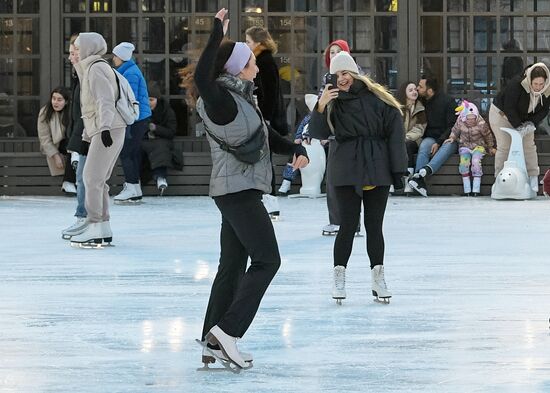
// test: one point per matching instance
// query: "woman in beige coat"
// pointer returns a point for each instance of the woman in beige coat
(414, 121)
(103, 133)
(52, 123)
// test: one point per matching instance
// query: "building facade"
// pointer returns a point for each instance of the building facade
(464, 43)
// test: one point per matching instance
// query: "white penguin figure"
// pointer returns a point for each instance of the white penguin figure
(512, 182)
(312, 175)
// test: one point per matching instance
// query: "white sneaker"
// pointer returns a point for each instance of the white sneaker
(75, 229)
(271, 204)
(162, 184)
(285, 186)
(331, 229)
(129, 193)
(68, 187)
(379, 287)
(339, 285)
(228, 345)
(208, 358)
(94, 233)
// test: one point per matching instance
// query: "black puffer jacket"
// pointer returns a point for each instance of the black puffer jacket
(159, 149)
(369, 145)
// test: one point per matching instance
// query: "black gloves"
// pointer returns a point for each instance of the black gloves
(84, 148)
(106, 138)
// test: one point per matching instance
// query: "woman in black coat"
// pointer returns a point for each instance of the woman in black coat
(158, 144)
(367, 157)
(268, 89)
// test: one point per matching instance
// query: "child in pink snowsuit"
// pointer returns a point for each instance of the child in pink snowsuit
(475, 139)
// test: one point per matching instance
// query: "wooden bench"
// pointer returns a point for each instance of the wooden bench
(28, 174)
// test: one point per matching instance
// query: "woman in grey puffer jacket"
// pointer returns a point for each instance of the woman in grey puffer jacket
(224, 79)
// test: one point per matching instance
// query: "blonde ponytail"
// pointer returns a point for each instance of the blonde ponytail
(380, 92)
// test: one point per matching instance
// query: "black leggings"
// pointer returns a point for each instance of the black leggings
(349, 206)
(236, 292)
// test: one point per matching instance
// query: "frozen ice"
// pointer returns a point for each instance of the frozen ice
(470, 279)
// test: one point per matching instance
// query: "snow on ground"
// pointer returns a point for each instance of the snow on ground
(470, 279)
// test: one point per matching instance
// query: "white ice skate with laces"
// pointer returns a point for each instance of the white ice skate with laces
(96, 235)
(379, 287)
(75, 229)
(232, 359)
(339, 285)
(130, 194)
(210, 355)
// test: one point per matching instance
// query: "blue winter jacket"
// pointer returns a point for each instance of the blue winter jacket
(131, 71)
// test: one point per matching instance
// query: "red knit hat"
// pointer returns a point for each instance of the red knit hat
(341, 43)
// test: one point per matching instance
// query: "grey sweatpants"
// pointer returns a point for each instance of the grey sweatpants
(497, 120)
(98, 168)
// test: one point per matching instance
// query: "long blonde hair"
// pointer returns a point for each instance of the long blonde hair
(377, 89)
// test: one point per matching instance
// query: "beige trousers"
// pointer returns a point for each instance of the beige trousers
(497, 119)
(98, 168)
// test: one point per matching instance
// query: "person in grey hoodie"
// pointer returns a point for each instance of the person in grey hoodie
(103, 134)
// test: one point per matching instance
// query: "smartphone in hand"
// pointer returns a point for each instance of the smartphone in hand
(333, 80)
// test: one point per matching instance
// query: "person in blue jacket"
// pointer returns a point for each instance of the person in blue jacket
(131, 152)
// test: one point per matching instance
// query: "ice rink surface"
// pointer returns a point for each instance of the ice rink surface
(470, 279)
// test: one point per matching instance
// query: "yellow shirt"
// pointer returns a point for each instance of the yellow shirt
(368, 188)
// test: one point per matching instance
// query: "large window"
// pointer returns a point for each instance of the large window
(19, 67)
(167, 34)
(474, 47)
(303, 28)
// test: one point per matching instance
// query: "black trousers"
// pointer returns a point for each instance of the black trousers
(349, 206)
(412, 149)
(236, 293)
(131, 153)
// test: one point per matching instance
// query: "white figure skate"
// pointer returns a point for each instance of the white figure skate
(339, 285)
(271, 204)
(96, 235)
(512, 182)
(232, 358)
(210, 355)
(379, 287)
(130, 194)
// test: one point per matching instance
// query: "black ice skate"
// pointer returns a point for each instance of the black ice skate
(209, 356)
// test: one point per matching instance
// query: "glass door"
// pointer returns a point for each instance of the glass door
(303, 28)
(474, 46)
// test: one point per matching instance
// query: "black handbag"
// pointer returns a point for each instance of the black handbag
(250, 151)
